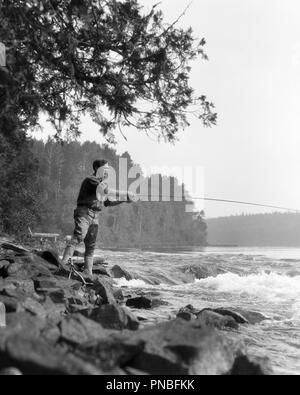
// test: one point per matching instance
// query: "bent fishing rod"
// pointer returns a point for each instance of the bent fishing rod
(208, 199)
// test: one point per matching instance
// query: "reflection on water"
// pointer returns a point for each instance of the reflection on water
(266, 280)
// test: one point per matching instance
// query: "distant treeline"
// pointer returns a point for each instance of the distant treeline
(277, 229)
(58, 174)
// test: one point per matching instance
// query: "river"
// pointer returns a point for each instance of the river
(266, 280)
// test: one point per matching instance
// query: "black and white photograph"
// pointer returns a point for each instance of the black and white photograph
(149, 190)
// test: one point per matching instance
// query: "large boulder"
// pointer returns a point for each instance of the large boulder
(201, 271)
(36, 357)
(111, 353)
(50, 256)
(77, 329)
(25, 286)
(12, 304)
(118, 294)
(34, 307)
(104, 289)
(118, 272)
(245, 365)
(188, 348)
(241, 316)
(24, 268)
(230, 313)
(188, 313)
(253, 317)
(212, 319)
(46, 283)
(4, 264)
(112, 316)
(140, 302)
(179, 348)
(19, 324)
(28, 343)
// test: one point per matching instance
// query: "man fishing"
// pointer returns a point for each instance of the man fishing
(94, 194)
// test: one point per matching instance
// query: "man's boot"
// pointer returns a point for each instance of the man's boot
(88, 266)
(68, 254)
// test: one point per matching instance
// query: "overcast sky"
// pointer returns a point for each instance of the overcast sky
(253, 77)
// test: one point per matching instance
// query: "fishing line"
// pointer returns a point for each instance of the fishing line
(228, 201)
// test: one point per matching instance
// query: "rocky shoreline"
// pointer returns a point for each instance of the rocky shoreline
(56, 325)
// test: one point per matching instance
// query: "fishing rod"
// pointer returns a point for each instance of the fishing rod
(230, 201)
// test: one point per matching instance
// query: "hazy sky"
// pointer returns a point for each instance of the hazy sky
(253, 77)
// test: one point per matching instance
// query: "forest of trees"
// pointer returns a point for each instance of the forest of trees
(60, 172)
(277, 229)
(113, 61)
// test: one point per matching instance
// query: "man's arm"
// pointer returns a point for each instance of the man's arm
(110, 203)
(106, 194)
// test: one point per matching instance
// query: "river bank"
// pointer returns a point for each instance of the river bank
(57, 325)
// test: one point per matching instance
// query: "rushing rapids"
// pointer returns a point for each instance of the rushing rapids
(266, 281)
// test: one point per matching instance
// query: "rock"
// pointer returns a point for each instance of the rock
(54, 310)
(104, 289)
(51, 333)
(34, 307)
(118, 294)
(45, 283)
(252, 317)
(229, 313)
(21, 323)
(36, 357)
(140, 302)
(4, 287)
(186, 315)
(12, 269)
(110, 353)
(77, 329)
(3, 262)
(118, 272)
(290, 273)
(12, 304)
(25, 286)
(27, 270)
(179, 348)
(57, 296)
(113, 317)
(135, 372)
(241, 316)
(92, 297)
(3, 268)
(142, 319)
(251, 366)
(201, 271)
(51, 256)
(14, 247)
(211, 319)
(101, 271)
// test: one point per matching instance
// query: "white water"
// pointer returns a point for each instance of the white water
(271, 287)
(266, 280)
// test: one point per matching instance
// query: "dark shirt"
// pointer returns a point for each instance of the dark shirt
(87, 195)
